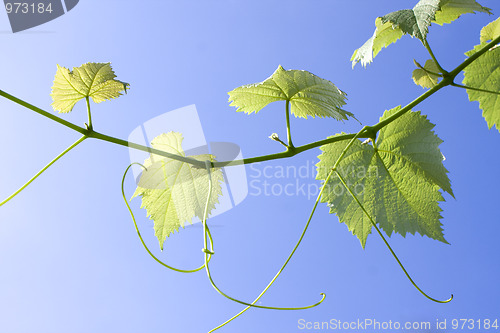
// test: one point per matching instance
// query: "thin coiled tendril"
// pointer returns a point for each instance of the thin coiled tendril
(208, 165)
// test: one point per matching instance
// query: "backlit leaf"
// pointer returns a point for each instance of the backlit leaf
(426, 77)
(414, 22)
(484, 73)
(94, 80)
(174, 192)
(308, 94)
(453, 9)
(490, 31)
(398, 185)
(384, 35)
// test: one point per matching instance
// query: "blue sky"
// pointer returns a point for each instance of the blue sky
(71, 260)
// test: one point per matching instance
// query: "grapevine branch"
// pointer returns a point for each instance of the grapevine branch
(365, 132)
(369, 131)
(290, 150)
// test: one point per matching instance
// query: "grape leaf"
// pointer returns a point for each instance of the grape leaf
(174, 192)
(398, 184)
(453, 9)
(414, 22)
(308, 94)
(484, 73)
(95, 80)
(384, 35)
(425, 77)
(490, 31)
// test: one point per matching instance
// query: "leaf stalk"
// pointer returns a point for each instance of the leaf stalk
(290, 146)
(444, 73)
(89, 114)
(475, 89)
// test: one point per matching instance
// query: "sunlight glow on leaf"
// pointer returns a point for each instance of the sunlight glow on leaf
(94, 80)
(308, 94)
(398, 185)
(414, 22)
(174, 192)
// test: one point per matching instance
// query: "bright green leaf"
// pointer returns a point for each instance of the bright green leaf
(484, 73)
(426, 77)
(174, 192)
(414, 22)
(490, 31)
(384, 35)
(308, 94)
(398, 185)
(453, 9)
(94, 80)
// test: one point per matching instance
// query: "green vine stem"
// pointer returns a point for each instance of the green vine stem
(208, 249)
(291, 150)
(139, 233)
(473, 57)
(207, 252)
(383, 238)
(67, 150)
(96, 135)
(447, 80)
(43, 113)
(341, 157)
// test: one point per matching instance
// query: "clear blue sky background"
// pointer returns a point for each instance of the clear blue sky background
(70, 259)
